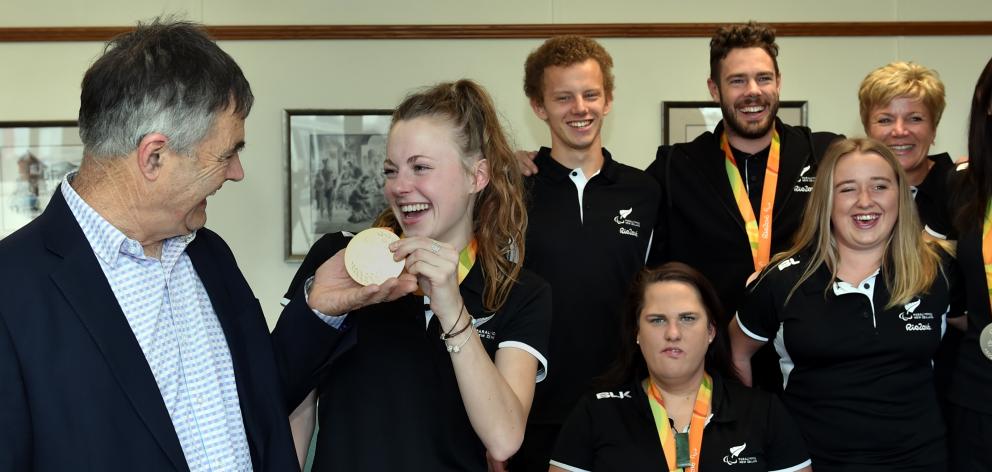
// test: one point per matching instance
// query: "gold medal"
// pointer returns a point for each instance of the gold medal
(368, 258)
(985, 341)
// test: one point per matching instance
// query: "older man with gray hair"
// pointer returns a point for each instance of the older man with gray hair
(129, 339)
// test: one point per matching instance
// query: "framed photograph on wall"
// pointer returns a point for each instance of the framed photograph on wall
(682, 122)
(335, 175)
(34, 156)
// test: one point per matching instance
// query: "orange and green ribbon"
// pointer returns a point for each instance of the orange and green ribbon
(466, 259)
(682, 449)
(987, 249)
(759, 231)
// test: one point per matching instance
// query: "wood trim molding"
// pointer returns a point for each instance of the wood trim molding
(515, 31)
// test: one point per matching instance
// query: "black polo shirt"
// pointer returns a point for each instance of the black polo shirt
(932, 198)
(752, 169)
(749, 430)
(858, 376)
(588, 251)
(389, 399)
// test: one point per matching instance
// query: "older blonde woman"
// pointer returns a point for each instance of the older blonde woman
(901, 105)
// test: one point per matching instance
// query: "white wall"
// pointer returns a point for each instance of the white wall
(40, 81)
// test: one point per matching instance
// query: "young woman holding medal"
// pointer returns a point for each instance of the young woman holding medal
(436, 379)
(856, 309)
(674, 401)
(970, 395)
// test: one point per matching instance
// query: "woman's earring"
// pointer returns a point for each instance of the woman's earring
(637, 341)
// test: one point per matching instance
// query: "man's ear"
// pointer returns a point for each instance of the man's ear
(480, 175)
(714, 90)
(538, 109)
(151, 150)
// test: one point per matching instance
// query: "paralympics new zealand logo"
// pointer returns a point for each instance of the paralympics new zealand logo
(915, 321)
(805, 182)
(735, 458)
(627, 225)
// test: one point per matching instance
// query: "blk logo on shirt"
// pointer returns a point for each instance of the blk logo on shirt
(618, 395)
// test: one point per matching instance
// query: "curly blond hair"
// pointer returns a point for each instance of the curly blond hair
(565, 51)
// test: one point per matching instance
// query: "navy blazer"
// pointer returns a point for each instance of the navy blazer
(75, 390)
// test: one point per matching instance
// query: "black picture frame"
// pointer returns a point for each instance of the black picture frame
(334, 173)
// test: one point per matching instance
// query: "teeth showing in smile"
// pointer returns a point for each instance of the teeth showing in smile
(752, 109)
(580, 124)
(865, 217)
(414, 207)
(901, 147)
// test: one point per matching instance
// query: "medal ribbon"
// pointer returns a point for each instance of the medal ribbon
(987, 249)
(759, 232)
(466, 259)
(682, 449)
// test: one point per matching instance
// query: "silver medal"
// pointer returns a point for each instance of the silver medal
(985, 341)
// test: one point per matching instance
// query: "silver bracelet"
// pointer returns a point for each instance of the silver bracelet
(458, 348)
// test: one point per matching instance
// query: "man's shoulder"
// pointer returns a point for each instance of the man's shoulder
(686, 153)
(24, 245)
(804, 137)
(211, 240)
(707, 142)
(635, 177)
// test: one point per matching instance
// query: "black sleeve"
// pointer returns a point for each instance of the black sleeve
(821, 140)
(303, 342)
(575, 446)
(951, 270)
(658, 253)
(936, 208)
(321, 251)
(758, 314)
(952, 205)
(528, 326)
(786, 450)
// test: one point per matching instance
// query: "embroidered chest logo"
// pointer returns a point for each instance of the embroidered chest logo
(805, 182)
(735, 457)
(915, 321)
(618, 395)
(627, 225)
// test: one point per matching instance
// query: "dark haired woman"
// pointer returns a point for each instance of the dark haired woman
(676, 403)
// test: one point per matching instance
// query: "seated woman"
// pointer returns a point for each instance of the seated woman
(675, 402)
(394, 396)
(901, 105)
(856, 309)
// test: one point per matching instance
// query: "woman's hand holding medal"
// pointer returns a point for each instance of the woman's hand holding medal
(435, 265)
